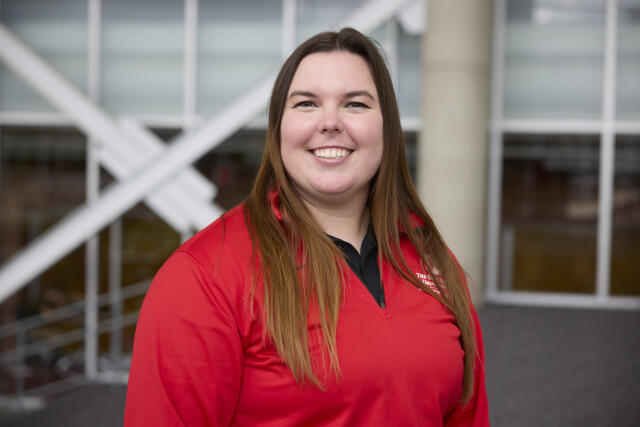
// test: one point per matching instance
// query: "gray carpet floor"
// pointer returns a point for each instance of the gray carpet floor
(558, 367)
(545, 367)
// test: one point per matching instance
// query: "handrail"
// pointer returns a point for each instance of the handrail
(21, 328)
(66, 338)
(70, 310)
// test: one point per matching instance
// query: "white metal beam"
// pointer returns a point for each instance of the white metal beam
(392, 50)
(115, 288)
(561, 299)
(85, 221)
(289, 23)
(92, 271)
(147, 143)
(412, 18)
(607, 154)
(190, 68)
(495, 153)
(548, 126)
(92, 256)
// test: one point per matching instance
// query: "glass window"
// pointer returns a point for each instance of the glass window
(554, 52)
(239, 43)
(232, 166)
(628, 71)
(315, 16)
(409, 73)
(625, 243)
(411, 145)
(549, 212)
(142, 56)
(42, 179)
(57, 32)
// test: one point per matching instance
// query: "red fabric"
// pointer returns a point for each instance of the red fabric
(199, 359)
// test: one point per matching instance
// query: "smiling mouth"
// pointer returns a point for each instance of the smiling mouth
(331, 153)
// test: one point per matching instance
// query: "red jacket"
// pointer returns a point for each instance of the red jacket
(199, 358)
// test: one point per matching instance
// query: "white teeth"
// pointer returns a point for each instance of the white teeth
(331, 153)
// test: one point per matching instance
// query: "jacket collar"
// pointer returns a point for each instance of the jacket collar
(414, 222)
(274, 200)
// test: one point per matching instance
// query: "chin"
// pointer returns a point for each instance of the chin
(332, 191)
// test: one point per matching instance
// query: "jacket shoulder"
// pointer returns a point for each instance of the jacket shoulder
(223, 241)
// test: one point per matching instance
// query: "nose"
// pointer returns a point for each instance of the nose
(330, 121)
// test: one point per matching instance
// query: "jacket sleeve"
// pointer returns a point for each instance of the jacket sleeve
(187, 356)
(476, 412)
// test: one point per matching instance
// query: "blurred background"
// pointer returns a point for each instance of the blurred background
(128, 125)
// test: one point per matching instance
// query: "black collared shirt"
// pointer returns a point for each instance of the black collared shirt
(364, 264)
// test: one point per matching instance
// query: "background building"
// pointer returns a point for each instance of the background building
(126, 126)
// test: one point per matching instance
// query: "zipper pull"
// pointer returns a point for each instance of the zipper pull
(383, 305)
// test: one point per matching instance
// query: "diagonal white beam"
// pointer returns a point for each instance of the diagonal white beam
(120, 154)
(85, 221)
(188, 194)
(120, 167)
(147, 143)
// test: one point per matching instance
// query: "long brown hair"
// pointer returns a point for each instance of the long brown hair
(300, 267)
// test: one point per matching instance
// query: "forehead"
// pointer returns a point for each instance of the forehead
(333, 71)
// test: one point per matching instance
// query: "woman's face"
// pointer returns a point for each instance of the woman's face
(331, 129)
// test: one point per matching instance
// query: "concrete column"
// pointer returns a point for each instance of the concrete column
(452, 160)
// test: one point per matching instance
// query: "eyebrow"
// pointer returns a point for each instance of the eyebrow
(360, 93)
(302, 93)
(351, 94)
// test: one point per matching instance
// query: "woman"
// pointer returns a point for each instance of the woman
(314, 302)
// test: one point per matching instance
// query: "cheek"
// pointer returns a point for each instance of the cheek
(374, 135)
(295, 130)
(367, 133)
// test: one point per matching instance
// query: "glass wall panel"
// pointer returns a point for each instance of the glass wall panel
(553, 58)
(315, 16)
(628, 79)
(549, 212)
(232, 166)
(625, 243)
(239, 43)
(409, 73)
(57, 32)
(42, 178)
(142, 56)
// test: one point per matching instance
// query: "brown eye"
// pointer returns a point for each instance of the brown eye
(304, 104)
(355, 104)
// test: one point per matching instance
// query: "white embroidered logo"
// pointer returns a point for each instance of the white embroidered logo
(426, 279)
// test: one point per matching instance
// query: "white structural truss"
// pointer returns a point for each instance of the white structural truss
(183, 203)
(144, 167)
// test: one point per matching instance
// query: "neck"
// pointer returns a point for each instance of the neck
(348, 223)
